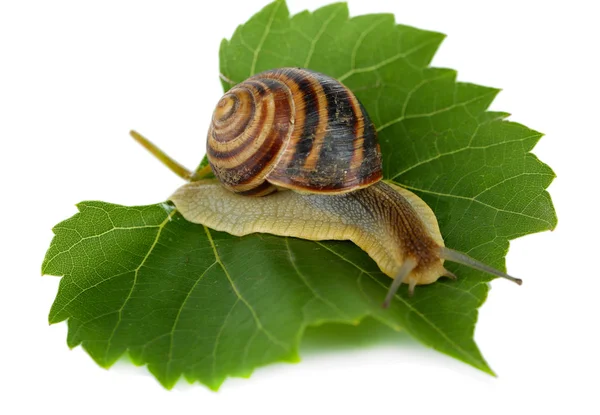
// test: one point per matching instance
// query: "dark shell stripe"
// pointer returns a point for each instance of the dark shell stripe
(370, 167)
(309, 91)
(263, 189)
(359, 131)
(332, 169)
(308, 133)
(315, 125)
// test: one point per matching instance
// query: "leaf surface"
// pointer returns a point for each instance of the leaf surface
(187, 300)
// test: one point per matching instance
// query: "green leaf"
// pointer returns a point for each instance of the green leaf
(187, 300)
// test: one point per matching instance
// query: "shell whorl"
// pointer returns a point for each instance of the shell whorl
(296, 129)
(250, 125)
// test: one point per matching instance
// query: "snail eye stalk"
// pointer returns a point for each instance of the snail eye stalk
(464, 259)
(165, 159)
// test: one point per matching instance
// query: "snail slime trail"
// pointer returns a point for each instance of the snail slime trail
(304, 142)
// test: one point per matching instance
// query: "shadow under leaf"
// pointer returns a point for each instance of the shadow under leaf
(335, 336)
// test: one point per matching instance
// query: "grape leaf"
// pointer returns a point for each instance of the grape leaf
(189, 301)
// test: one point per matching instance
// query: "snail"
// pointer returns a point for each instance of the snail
(295, 153)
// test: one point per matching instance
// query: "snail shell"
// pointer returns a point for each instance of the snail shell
(295, 129)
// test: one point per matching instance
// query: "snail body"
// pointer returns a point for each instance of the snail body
(351, 216)
(295, 153)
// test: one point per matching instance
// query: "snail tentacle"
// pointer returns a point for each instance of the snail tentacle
(173, 165)
(464, 259)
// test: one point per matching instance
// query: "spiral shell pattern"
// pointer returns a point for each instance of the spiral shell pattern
(296, 129)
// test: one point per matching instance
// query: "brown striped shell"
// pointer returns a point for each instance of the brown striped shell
(296, 129)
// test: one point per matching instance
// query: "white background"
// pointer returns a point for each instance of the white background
(75, 77)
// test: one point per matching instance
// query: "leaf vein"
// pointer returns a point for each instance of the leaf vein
(176, 320)
(309, 286)
(314, 41)
(218, 338)
(135, 277)
(432, 113)
(263, 38)
(385, 62)
(257, 321)
(416, 189)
